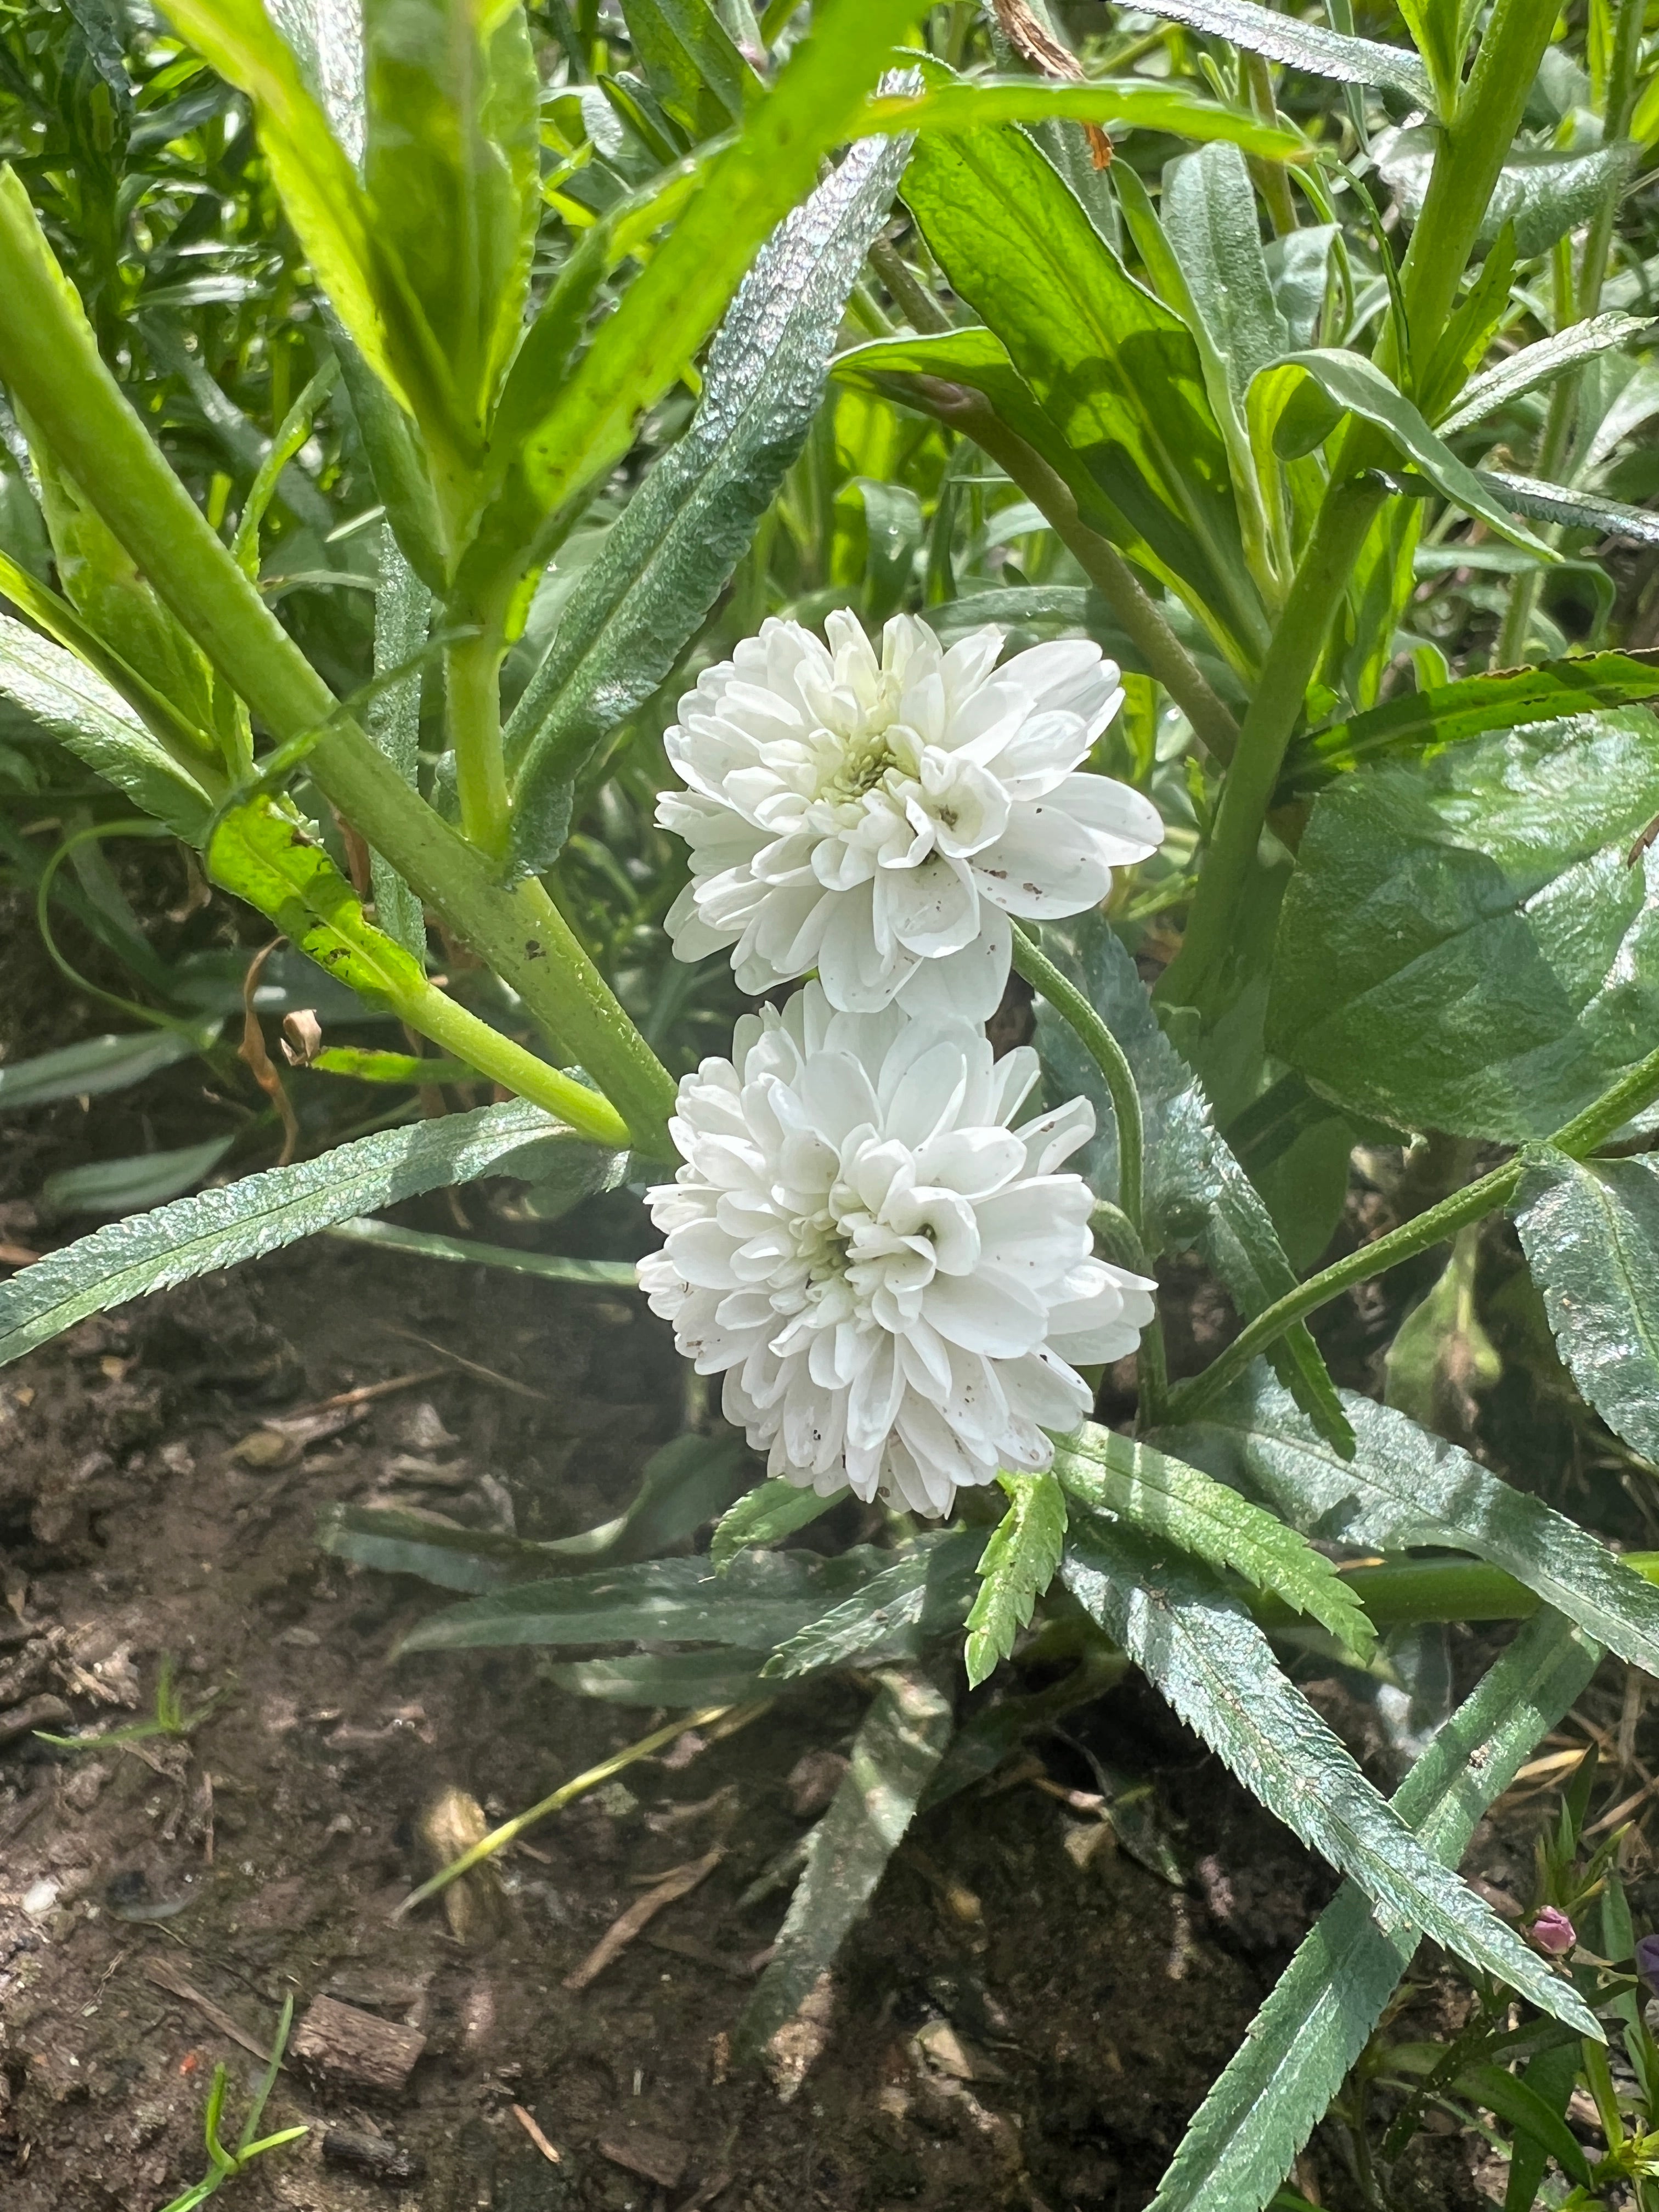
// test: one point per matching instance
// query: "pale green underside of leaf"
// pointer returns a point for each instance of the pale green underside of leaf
(1205, 1655)
(1178, 1505)
(87, 1070)
(1407, 1488)
(1575, 510)
(1524, 371)
(1303, 45)
(1591, 1237)
(219, 1228)
(1297, 2051)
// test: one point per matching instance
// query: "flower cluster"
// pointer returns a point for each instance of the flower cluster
(896, 1281)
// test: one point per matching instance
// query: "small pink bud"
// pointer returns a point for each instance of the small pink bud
(1553, 1933)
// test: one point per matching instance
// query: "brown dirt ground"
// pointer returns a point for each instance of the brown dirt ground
(1019, 2022)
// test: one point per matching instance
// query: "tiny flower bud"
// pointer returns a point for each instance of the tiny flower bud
(1554, 1934)
(1647, 1961)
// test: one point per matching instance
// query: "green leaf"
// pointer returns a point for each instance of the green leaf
(1464, 944)
(1210, 1660)
(675, 302)
(1422, 722)
(893, 1754)
(552, 1200)
(762, 1598)
(1591, 1232)
(692, 63)
(125, 1186)
(1193, 1190)
(1407, 1488)
(1510, 2098)
(1573, 509)
(1441, 1354)
(689, 1680)
(671, 554)
(1211, 220)
(1129, 104)
(117, 602)
(1533, 365)
(1115, 372)
(1322, 2012)
(129, 1259)
(452, 177)
(265, 857)
(1303, 45)
(90, 1069)
(1016, 1566)
(684, 1484)
(1168, 1500)
(319, 185)
(1358, 387)
(928, 1590)
(766, 1515)
(403, 616)
(1545, 194)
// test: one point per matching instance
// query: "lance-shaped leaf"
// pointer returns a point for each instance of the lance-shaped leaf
(1422, 722)
(1193, 1190)
(1016, 1566)
(217, 1229)
(894, 1755)
(766, 1515)
(1303, 45)
(1591, 1232)
(1545, 194)
(1179, 1505)
(319, 185)
(926, 1591)
(123, 1185)
(692, 63)
(96, 1066)
(1325, 2006)
(1524, 371)
(88, 716)
(452, 177)
(676, 300)
(1116, 372)
(1358, 387)
(1464, 944)
(1206, 1656)
(668, 558)
(691, 1680)
(1132, 103)
(1405, 1487)
(1572, 509)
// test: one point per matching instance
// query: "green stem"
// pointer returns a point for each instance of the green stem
(1165, 657)
(50, 359)
(1578, 1137)
(447, 1023)
(1435, 1589)
(1107, 1054)
(472, 706)
(1321, 578)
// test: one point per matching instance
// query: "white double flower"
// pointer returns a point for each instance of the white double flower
(881, 821)
(896, 1283)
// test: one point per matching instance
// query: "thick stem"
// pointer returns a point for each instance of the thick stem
(48, 356)
(1107, 1054)
(462, 1035)
(1578, 1137)
(1322, 578)
(1435, 1589)
(1165, 657)
(473, 712)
